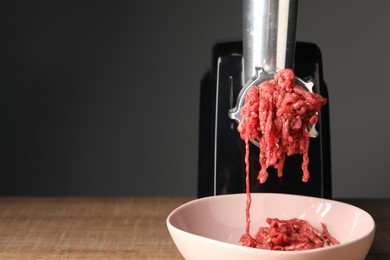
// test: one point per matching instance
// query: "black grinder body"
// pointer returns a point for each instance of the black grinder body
(221, 167)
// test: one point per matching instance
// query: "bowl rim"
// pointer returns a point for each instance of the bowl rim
(268, 251)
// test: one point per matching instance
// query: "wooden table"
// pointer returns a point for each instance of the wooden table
(115, 228)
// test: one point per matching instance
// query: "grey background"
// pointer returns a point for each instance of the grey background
(102, 97)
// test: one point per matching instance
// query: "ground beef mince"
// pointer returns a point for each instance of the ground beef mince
(278, 114)
(289, 235)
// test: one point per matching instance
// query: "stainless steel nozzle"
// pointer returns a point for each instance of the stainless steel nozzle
(268, 35)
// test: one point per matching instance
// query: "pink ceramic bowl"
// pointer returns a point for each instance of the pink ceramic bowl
(210, 228)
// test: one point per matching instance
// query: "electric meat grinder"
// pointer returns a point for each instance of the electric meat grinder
(269, 43)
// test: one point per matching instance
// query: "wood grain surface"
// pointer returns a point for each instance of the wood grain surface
(86, 228)
(116, 228)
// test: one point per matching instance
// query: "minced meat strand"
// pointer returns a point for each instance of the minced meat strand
(278, 114)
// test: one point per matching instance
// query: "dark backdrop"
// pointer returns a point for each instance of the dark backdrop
(102, 97)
